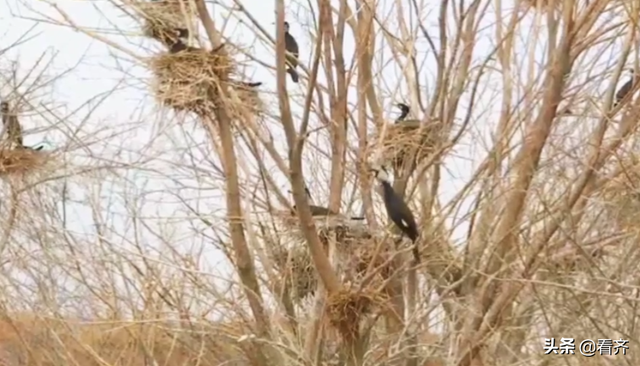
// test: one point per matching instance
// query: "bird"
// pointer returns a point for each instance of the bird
(183, 32)
(179, 46)
(404, 112)
(251, 85)
(293, 52)
(11, 124)
(316, 211)
(397, 210)
(624, 89)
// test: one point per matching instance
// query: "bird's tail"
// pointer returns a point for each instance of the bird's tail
(252, 85)
(294, 74)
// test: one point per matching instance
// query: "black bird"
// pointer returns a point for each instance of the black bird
(397, 210)
(11, 125)
(625, 89)
(183, 32)
(404, 112)
(316, 211)
(179, 46)
(293, 52)
(251, 85)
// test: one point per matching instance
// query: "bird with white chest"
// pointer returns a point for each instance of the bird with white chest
(397, 210)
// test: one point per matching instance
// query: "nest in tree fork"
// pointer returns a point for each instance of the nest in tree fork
(197, 81)
(346, 308)
(162, 18)
(356, 249)
(21, 161)
(408, 140)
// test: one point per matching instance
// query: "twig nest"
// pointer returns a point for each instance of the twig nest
(197, 81)
(296, 267)
(346, 308)
(21, 161)
(190, 80)
(373, 252)
(407, 140)
(164, 17)
(346, 232)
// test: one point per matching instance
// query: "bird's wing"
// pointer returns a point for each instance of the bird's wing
(622, 92)
(292, 45)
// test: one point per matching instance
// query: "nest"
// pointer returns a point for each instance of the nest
(196, 81)
(163, 18)
(20, 161)
(409, 141)
(190, 80)
(345, 310)
(296, 267)
(356, 254)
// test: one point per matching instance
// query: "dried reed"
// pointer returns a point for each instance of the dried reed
(20, 161)
(345, 310)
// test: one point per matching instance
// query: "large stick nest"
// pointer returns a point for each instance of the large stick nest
(357, 254)
(197, 81)
(162, 18)
(21, 161)
(407, 140)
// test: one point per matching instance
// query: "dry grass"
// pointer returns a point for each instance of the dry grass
(26, 340)
(347, 308)
(408, 139)
(297, 270)
(20, 161)
(195, 81)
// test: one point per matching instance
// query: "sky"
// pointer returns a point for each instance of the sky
(104, 98)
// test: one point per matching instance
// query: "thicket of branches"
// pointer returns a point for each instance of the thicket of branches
(165, 236)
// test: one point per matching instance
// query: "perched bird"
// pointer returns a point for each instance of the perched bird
(11, 124)
(316, 211)
(624, 89)
(397, 210)
(404, 112)
(293, 52)
(179, 46)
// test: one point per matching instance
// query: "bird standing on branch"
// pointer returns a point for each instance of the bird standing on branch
(404, 112)
(397, 210)
(292, 53)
